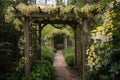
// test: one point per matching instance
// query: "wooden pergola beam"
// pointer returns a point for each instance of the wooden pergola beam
(72, 10)
(40, 9)
(16, 10)
(56, 22)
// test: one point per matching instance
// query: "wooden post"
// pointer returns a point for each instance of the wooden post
(85, 42)
(75, 44)
(26, 38)
(78, 46)
(39, 40)
(33, 42)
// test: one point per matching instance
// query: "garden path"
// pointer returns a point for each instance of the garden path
(61, 71)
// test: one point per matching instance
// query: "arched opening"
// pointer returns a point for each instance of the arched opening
(58, 39)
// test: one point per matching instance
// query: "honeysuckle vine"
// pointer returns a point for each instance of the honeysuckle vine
(101, 36)
(29, 9)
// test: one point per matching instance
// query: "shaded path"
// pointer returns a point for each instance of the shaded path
(60, 68)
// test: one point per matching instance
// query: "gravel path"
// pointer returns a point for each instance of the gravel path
(60, 68)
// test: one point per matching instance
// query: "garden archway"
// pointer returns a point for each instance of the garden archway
(78, 21)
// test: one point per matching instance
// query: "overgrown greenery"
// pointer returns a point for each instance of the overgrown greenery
(5, 52)
(69, 56)
(41, 70)
(9, 51)
(47, 53)
(103, 62)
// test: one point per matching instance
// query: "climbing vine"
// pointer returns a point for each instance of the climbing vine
(101, 63)
(29, 9)
(101, 36)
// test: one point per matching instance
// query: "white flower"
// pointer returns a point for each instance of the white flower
(98, 37)
(107, 19)
(94, 55)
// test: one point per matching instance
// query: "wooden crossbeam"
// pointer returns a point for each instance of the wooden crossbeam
(16, 10)
(40, 9)
(72, 10)
(56, 22)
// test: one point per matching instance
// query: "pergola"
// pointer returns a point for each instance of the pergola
(77, 20)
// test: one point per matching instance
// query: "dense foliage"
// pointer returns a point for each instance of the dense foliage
(9, 40)
(69, 56)
(103, 61)
(47, 53)
(41, 70)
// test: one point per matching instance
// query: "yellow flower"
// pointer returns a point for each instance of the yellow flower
(87, 51)
(111, 21)
(100, 28)
(94, 31)
(30, 54)
(110, 34)
(107, 15)
(109, 25)
(93, 34)
(103, 33)
(8, 17)
(99, 33)
(90, 59)
(25, 59)
(92, 47)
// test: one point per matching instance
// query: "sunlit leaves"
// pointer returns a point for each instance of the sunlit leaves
(89, 7)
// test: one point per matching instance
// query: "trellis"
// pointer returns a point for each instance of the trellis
(77, 20)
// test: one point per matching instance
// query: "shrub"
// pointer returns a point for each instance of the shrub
(69, 60)
(41, 70)
(68, 54)
(5, 53)
(16, 75)
(47, 53)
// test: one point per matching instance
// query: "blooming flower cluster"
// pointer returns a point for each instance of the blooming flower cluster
(93, 59)
(101, 35)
